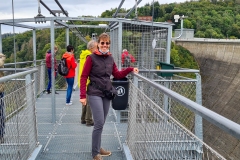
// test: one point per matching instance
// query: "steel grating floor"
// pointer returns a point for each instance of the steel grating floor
(68, 139)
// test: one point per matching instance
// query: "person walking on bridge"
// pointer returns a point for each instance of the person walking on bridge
(127, 58)
(71, 65)
(49, 68)
(99, 66)
(86, 117)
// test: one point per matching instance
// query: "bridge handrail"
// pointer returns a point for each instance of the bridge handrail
(214, 118)
(25, 62)
(16, 75)
(177, 70)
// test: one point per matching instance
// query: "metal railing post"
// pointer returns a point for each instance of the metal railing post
(53, 74)
(34, 61)
(198, 119)
(119, 45)
(42, 76)
(30, 103)
(132, 115)
(67, 37)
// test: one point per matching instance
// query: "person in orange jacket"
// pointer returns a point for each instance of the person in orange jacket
(71, 64)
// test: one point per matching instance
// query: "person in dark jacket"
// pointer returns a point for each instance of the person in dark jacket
(49, 68)
(99, 66)
(71, 64)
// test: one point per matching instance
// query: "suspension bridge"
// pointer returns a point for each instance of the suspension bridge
(164, 118)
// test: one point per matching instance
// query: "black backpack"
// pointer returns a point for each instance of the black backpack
(62, 67)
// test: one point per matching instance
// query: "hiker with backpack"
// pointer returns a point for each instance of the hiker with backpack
(127, 58)
(71, 65)
(49, 68)
(86, 117)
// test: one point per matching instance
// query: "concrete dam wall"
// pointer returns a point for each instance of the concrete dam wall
(219, 63)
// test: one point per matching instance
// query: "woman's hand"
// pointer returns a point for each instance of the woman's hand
(135, 70)
(83, 101)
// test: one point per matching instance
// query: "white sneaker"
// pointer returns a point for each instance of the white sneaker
(69, 104)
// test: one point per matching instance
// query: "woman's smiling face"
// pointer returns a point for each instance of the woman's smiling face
(104, 42)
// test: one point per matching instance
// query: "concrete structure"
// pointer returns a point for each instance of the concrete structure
(219, 63)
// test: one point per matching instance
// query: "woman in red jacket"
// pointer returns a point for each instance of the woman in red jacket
(71, 64)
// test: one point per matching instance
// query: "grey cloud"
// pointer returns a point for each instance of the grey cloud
(90, 7)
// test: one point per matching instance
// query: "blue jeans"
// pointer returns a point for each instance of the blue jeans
(70, 82)
(2, 115)
(50, 78)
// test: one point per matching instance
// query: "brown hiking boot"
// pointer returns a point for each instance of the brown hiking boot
(90, 124)
(1, 140)
(98, 157)
(104, 152)
(83, 122)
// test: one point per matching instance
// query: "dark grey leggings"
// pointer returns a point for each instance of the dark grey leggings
(100, 108)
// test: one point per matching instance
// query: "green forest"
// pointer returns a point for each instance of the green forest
(209, 19)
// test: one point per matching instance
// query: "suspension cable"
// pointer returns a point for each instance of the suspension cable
(15, 65)
(153, 37)
(14, 46)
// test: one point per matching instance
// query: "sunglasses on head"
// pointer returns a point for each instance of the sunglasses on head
(102, 43)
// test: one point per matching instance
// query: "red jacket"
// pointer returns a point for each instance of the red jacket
(70, 63)
(48, 61)
(124, 54)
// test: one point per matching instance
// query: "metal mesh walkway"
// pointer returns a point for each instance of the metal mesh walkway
(68, 138)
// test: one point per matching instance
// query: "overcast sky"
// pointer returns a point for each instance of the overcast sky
(29, 8)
